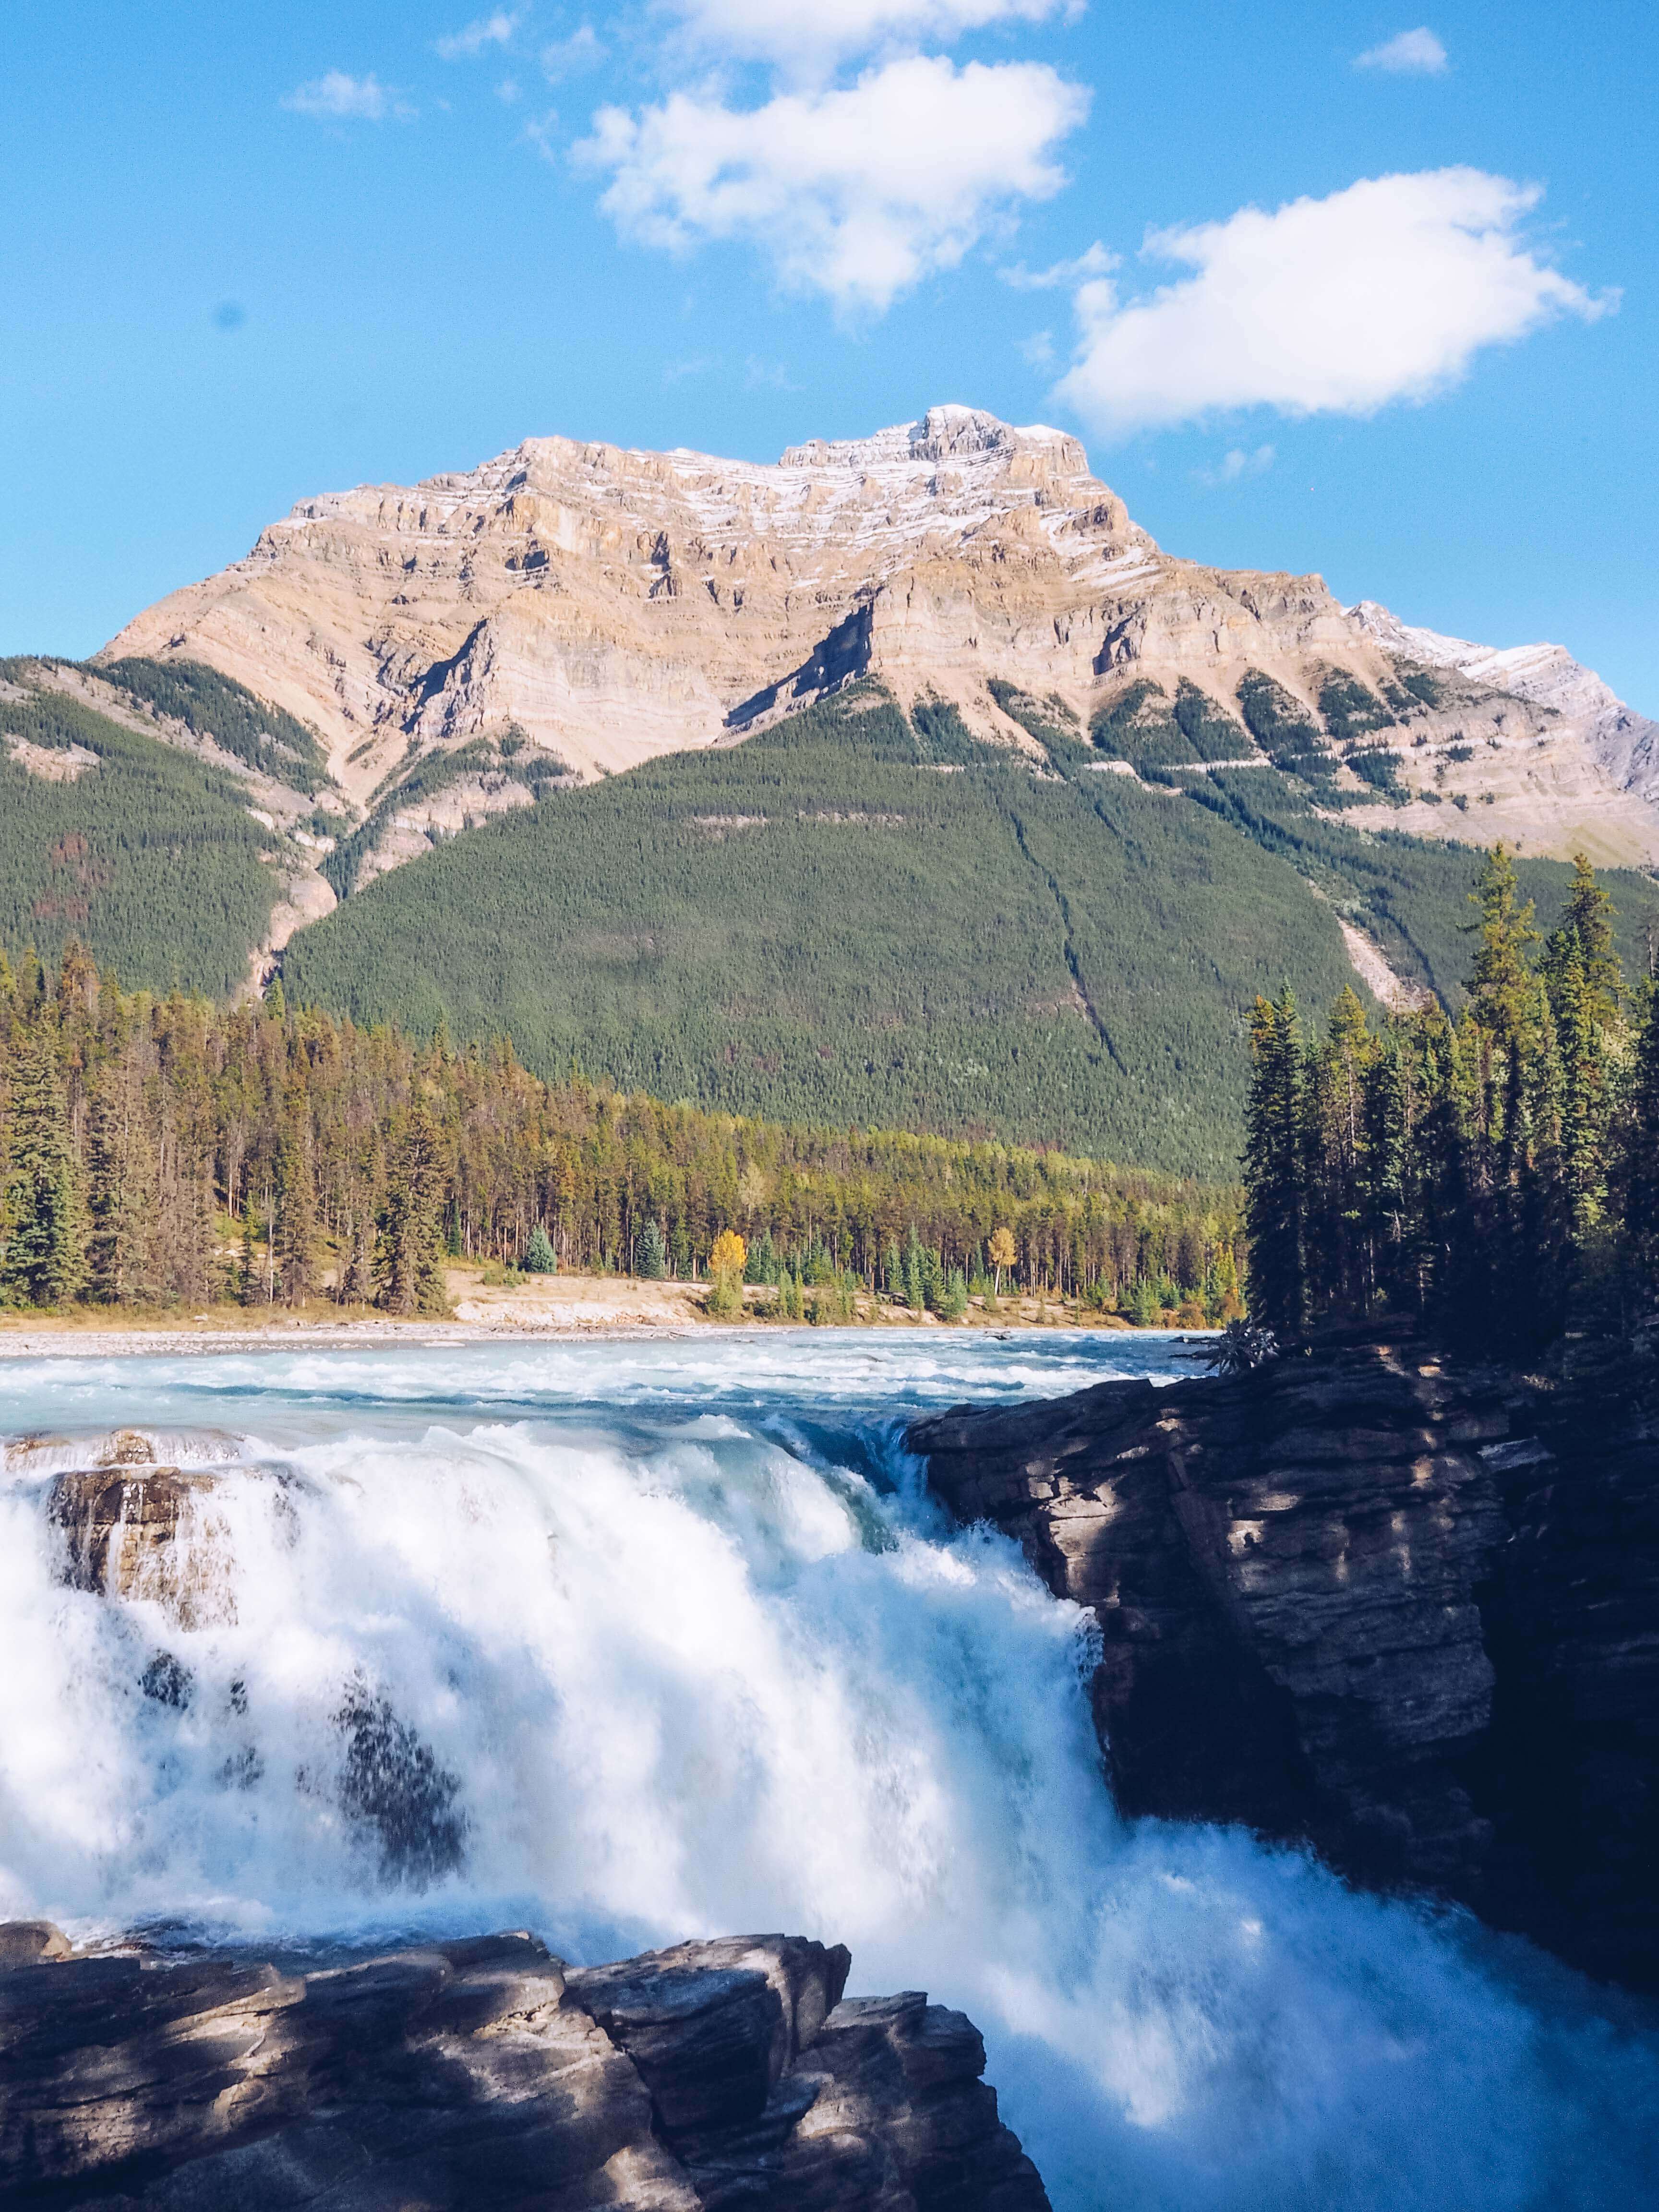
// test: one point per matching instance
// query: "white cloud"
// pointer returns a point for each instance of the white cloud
(1038, 350)
(857, 192)
(495, 30)
(1237, 464)
(1094, 261)
(334, 97)
(583, 50)
(1411, 53)
(805, 36)
(1385, 291)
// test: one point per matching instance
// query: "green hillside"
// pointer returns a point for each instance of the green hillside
(214, 706)
(147, 856)
(844, 919)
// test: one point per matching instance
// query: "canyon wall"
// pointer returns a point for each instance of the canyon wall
(1404, 1612)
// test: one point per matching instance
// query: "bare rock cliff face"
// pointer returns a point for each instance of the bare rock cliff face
(610, 605)
(1407, 1615)
(486, 2072)
(616, 605)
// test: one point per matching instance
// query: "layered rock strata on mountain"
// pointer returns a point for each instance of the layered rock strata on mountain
(1408, 1614)
(609, 605)
(487, 2072)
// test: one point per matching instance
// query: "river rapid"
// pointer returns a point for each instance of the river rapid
(630, 1642)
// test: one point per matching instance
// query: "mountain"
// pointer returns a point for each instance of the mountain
(569, 610)
(905, 782)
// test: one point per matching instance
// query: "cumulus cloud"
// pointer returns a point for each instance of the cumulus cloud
(334, 97)
(1411, 53)
(495, 30)
(1384, 291)
(855, 192)
(803, 35)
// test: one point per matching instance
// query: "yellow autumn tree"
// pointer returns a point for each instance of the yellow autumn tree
(1001, 1252)
(727, 1262)
(730, 1255)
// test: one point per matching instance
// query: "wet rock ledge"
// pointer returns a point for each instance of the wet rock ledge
(487, 2073)
(1407, 1613)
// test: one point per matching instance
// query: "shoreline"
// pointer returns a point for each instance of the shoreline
(559, 1309)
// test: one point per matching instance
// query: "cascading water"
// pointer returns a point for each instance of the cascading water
(630, 1643)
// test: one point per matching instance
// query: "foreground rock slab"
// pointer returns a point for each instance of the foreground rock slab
(1408, 1614)
(488, 2073)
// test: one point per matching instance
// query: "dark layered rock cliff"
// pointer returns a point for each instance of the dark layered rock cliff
(1407, 1613)
(486, 2073)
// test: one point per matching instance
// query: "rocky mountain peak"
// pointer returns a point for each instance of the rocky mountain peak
(605, 605)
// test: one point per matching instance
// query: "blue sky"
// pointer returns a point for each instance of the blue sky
(253, 253)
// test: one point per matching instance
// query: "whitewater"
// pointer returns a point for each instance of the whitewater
(635, 1641)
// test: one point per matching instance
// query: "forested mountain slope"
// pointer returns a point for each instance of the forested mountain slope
(123, 843)
(161, 815)
(858, 917)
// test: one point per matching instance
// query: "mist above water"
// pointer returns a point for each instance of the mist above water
(633, 1642)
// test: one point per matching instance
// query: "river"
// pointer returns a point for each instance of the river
(633, 1641)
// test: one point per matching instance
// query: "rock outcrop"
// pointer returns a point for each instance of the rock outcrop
(486, 2072)
(1408, 1614)
(609, 605)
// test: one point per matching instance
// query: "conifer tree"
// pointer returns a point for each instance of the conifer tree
(123, 1192)
(1586, 925)
(1501, 995)
(650, 1256)
(409, 1271)
(294, 1228)
(1274, 1166)
(1577, 1005)
(43, 1218)
(1381, 1174)
(915, 1289)
(247, 1269)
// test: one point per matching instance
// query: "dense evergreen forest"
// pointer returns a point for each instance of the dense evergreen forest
(856, 917)
(118, 840)
(1498, 1175)
(853, 918)
(163, 1150)
(214, 706)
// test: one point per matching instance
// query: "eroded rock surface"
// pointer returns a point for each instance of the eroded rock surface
(488, 2073)
(1408, 1614)
(123, 1523)
(609, 605)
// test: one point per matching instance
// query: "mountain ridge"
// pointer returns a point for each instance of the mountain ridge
(608, 605)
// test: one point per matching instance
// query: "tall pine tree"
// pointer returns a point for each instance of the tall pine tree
(1274, 1166)
(43, 1220)
(409, 1255)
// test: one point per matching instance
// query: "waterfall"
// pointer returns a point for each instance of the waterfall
(631, 1643)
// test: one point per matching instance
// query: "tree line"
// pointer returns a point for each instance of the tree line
(1498, 1175)
(167, 1150)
